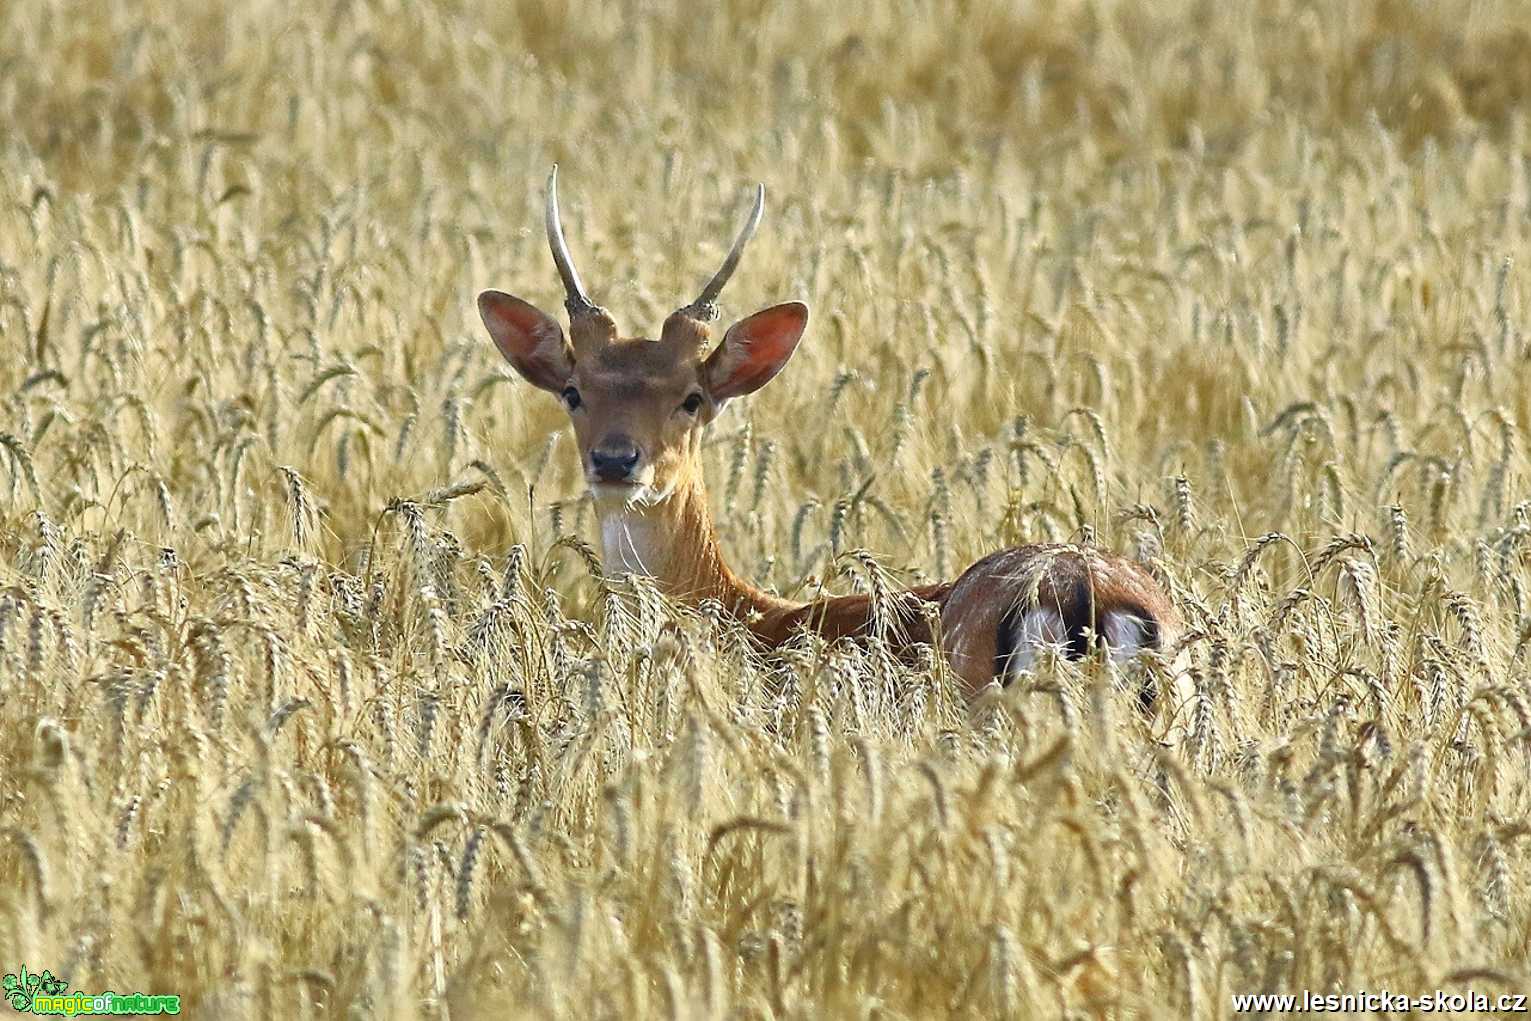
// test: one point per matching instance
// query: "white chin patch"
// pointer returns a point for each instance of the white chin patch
(639, 495)
(630, 541)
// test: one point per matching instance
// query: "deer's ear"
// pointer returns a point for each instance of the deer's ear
(754, 350)
(530, 339)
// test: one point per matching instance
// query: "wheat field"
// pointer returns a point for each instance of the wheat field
(313, 699)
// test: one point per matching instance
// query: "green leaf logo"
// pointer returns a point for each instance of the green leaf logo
(21, 989)
(18, 989)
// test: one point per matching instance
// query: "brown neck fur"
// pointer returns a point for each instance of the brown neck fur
(674, 542)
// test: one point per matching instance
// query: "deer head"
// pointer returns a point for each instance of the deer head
(638, 405)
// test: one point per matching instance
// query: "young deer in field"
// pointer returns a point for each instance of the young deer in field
(639, 407)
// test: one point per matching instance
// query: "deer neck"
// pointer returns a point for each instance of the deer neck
(673, 541)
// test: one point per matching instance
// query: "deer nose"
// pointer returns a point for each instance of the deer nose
(615, 459)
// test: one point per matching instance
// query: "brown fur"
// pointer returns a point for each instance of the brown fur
(1080, 584)
(682, 553)
(642, 405)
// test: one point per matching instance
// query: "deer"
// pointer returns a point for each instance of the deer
(639, 408)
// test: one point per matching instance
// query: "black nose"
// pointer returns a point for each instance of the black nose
(615, 459)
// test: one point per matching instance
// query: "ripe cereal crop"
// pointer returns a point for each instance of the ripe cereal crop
(317, 698)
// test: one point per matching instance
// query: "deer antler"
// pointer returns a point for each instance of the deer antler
(704, 308)
(575, 298)
(588, 322)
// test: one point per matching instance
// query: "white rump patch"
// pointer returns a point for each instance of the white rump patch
(1036, 628)
(1125, 634)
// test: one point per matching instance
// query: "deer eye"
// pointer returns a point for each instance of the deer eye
(691, 405)
(571, 397)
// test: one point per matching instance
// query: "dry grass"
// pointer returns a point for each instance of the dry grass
(311, 700)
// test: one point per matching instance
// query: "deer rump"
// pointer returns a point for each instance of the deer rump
(1001, 613)
(1008, 607)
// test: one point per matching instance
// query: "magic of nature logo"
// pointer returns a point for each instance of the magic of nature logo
(45, 993)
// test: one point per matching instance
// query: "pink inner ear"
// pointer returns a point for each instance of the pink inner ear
(514, 324)
(755, 349)
(530, 339)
